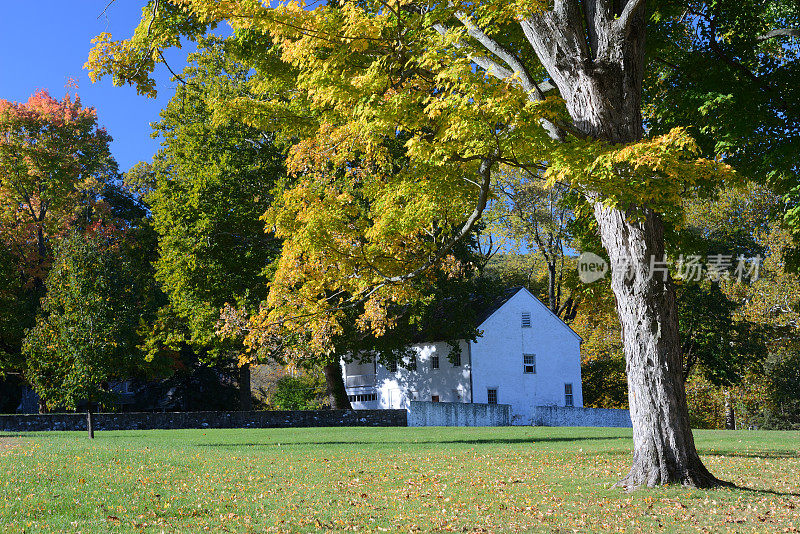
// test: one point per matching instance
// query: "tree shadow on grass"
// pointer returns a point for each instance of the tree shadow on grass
(479, 441)
(767, 455)
(763, 491)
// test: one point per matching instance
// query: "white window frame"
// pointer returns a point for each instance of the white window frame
(363, 397)
(526, 366)
(496, 396)
(435, 361)
(569, 397)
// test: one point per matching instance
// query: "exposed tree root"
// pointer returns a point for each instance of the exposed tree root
(696, 477)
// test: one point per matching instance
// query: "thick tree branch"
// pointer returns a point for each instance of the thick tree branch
(779, 32)
(527, 82)
(535, 90)
(628, 12)
(489, 65)
(485, 173)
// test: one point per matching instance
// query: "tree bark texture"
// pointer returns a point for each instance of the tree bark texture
(730, 414)
(664, 449)
(594, 53)
(335, 390)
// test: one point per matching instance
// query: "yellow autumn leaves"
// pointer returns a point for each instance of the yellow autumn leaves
(656, 172)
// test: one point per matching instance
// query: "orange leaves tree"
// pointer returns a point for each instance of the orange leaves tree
(552, 88)
(52, 152)
(53, 157)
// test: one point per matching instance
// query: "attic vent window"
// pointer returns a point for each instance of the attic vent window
(526, 319)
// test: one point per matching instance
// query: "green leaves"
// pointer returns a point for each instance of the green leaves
(86, 332)
(207, 189)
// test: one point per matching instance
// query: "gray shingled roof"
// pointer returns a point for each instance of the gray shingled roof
(485, 310)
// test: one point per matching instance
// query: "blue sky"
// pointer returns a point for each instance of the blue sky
(44, 43)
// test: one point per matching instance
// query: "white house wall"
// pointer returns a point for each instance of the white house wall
(396, 389)
(497, 358)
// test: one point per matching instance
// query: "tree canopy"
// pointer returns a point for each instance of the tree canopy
(86, 332)
(207, 189)
(51, 153)
(350, 81)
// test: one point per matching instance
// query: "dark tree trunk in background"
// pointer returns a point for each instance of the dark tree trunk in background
(552, 300)
(594, 53)
(89, 421)
(334, 381)
(41, 248)
(245, 397)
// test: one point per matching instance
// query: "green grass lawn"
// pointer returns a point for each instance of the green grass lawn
(385, 479)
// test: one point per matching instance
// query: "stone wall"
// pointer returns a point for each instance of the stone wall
(561, 416)
(175, 420)
(424, 413)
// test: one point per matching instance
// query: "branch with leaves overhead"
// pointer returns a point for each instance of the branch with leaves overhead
(392, 109)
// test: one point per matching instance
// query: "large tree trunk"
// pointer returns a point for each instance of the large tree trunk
(664, 449)
(334, 381)
(594, 52)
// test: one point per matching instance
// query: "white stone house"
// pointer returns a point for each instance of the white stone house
(525, 357)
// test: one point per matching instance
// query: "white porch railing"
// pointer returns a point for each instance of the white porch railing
(354, 381)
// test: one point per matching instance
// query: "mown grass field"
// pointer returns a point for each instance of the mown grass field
(392, 479)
